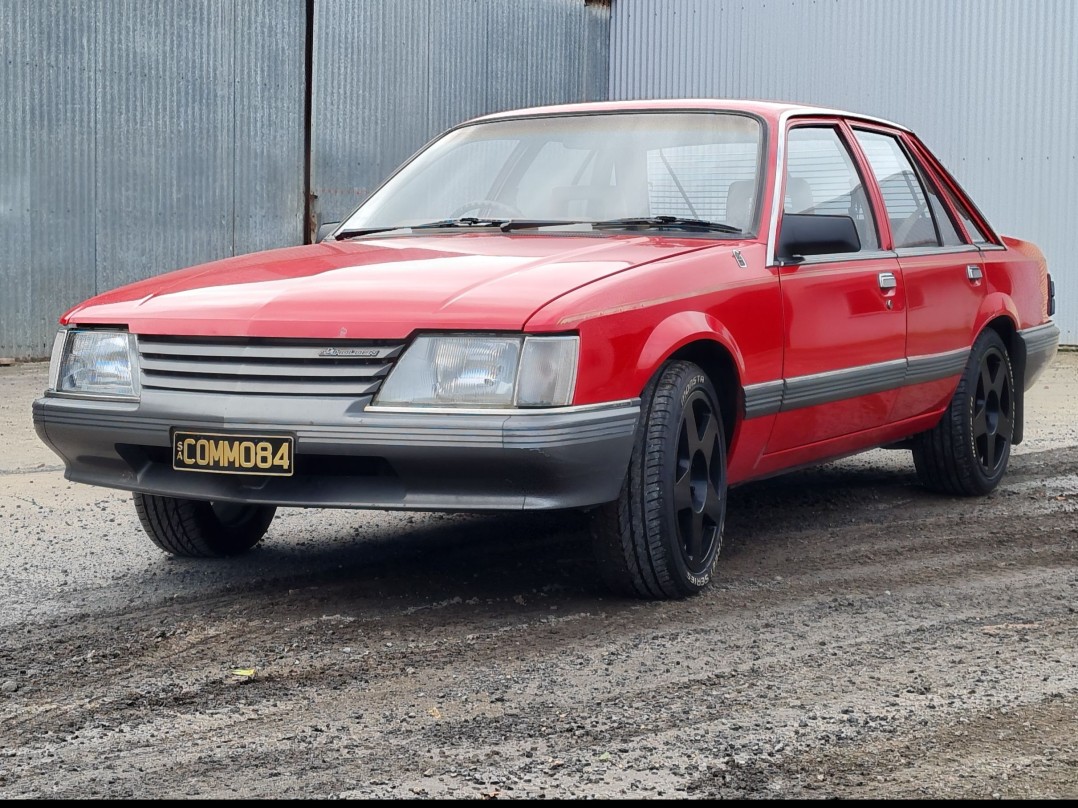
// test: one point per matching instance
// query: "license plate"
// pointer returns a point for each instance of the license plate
(267, 455)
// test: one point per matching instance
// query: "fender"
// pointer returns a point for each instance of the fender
(677, 331)
(747, 438)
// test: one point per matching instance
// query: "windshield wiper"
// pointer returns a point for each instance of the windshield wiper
(505, 225)
(467, 221)
(527, 224)
(367, 231)
(673, 222)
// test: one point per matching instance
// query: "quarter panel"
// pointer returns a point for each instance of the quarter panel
(1020, 273)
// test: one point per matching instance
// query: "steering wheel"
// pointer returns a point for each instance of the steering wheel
(484, 204)
(904, 229)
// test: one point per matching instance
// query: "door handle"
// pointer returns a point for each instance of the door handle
(887, 281)
(973, 272)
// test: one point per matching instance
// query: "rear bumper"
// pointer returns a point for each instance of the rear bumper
(1041, 343)
(351, 456)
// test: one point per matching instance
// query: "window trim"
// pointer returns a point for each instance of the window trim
(923, 179)
(943, 178)
(904, 252)
(794, 119)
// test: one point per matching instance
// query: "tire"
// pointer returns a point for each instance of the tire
(661, 538)
(196, 529)
(966, 453)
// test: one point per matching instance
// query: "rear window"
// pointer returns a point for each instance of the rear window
(917, 216)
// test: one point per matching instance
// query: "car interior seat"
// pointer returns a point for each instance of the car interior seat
(740, 201)
(860, 212)
(798, 196)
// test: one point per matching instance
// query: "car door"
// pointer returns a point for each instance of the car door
(942, 272)
(844, 312)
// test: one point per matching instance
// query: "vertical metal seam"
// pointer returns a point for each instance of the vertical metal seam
(235, 125)
(308, 121)
(427, 61)
(95, 181)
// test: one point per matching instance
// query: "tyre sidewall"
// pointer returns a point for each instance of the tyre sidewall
(988, 343)
(687, 580)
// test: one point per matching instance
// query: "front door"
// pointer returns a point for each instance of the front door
(845, 313)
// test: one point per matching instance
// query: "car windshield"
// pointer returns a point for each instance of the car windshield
(684, 170)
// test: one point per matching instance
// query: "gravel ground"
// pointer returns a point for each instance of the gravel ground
(865, 639)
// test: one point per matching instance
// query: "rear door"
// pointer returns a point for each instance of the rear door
(943, 273)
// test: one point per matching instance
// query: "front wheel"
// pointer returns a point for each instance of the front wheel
(197, 529)
(966, 453)
(661, 537)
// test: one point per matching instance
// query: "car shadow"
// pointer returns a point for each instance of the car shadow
(409, 561)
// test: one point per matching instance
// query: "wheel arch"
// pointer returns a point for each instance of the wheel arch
(700, 338)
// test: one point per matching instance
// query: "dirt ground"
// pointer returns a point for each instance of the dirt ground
(865, 639)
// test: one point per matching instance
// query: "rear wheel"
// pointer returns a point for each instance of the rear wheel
(661, 537)
(197, 529)
(966, 453)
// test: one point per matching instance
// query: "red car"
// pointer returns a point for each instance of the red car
(626, 307)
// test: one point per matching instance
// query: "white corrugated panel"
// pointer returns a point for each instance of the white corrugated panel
(989, 85)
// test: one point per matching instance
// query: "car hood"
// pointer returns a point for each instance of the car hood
(376, 288)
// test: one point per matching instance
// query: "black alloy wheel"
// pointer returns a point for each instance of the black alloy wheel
(993, 412)
(700, 483)
(661, 538)
(966, 453)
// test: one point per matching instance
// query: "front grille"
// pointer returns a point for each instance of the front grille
(269, 367)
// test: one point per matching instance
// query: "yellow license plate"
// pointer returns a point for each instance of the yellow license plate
(233, 454)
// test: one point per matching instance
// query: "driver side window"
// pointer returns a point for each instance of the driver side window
(822, 180)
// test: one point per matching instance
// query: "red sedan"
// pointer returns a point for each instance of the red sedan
(626, 307)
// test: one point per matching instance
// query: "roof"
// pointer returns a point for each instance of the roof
(771, 111)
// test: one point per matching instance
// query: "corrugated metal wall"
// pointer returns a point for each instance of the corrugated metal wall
(139, 137)
(988, 84)
(388, 76)
(132, 143)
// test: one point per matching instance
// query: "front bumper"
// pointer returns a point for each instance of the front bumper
(349, 455)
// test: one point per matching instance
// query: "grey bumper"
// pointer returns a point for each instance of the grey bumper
(351, 456)
(1041, 343)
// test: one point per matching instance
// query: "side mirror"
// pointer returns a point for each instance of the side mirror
(803, 234)
(325, 229)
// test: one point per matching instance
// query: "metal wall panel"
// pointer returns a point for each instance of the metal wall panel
(133, 143)
(164, 190)
(987, 84)
(136, 142)
(200, 133)
(47, 86)
(390, 76)
(269, 82)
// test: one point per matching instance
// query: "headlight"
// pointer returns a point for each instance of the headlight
(94, 363)
(483, 371)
